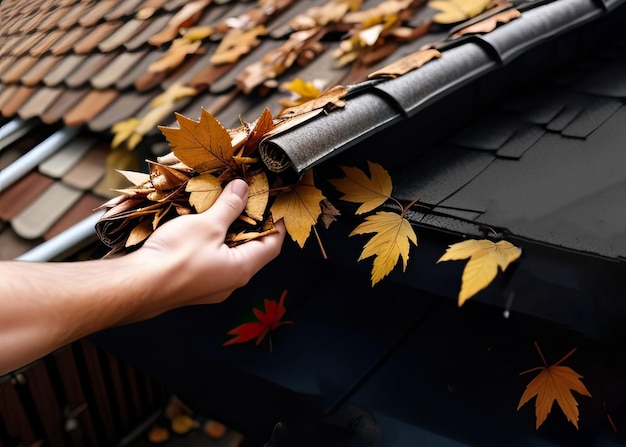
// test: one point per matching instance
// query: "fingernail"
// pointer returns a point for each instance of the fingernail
(239, 187)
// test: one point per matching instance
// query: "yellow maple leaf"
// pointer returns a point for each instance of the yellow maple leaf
(485, 257)
(204, 191)
(203, 145)
(554, 383)
(391, 241)
(299, 206)
(454, 11)
(302, 91)
(357, 187)
(172, 94)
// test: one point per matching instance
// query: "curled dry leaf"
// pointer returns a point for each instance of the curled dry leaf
(327, 100)
(406, 64)
(489, 24)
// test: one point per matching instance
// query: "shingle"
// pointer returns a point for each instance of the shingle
(22, 193)
(38, 217)
(38, 71)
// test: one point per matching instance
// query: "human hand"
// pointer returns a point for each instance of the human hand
(191, 264)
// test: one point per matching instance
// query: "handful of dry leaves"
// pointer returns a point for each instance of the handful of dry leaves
(205, 157)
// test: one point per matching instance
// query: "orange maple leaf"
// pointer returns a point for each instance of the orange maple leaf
(554, 382)
(203, 145)
(269, 320)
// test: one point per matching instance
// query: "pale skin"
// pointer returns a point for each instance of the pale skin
(45, 306)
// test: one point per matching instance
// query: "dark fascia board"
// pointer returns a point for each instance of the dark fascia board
(373, 106)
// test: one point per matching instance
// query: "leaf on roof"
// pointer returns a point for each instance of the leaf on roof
(237, 43)
(187, 16)
(454, 11)
(331, 12)
(391, 241)
(406, 64)
(269, 319)
(485, 258)
(488, 24)
(299, 207)
(301, 92)
(173, 93)
(371, 192)
(277, 61)
(124, 133)
(175, 55)
(327, 100)
(554, 383)
(204, 145)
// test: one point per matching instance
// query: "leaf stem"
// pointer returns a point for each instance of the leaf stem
(566, 356)
(543, 359)
(405, 209)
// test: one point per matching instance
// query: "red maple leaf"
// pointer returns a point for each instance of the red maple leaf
(269, 320)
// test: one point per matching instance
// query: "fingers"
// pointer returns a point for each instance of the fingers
(230, 204)
(260, 251)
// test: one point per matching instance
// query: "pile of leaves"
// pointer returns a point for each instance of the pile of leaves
(205, 156)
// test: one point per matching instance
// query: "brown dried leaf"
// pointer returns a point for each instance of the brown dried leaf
(406, 64)
(279, 60)
(260, 128)
(489, 24)
(237, 43)
(139, 234)
(187, 16)
(164, 177)
(175, 55)
(329, 213)
(203, 145)
(328, 100)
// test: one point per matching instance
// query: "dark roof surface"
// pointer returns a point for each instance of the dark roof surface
(517, 132)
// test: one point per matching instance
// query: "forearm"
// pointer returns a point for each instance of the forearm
(45, 306)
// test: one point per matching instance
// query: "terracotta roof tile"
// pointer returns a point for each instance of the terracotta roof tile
(68, 40)
(41, 214)
(38, 71)
(90, 106)
(22, 193)
(90, 41)
(46, 43)
(19, 68)
(128, 30)
(89, 67)
(39, 102)
(22, 94)
(97, 11)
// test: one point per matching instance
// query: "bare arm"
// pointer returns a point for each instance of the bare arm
(44, 306)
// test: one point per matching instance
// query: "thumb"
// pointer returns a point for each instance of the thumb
(231, 202)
